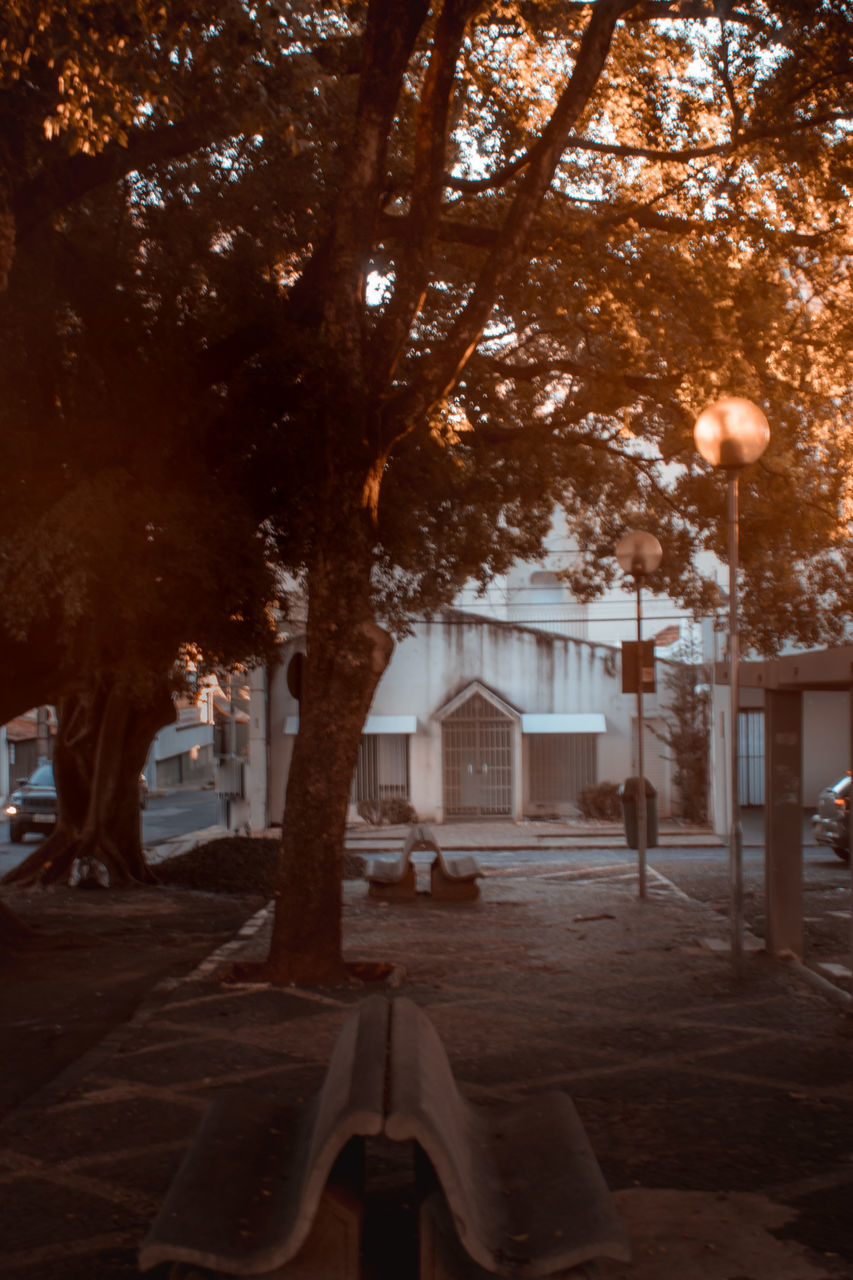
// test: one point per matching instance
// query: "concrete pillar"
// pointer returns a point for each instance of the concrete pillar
(783, 857)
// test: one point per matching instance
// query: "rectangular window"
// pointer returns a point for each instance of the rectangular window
(751, 756)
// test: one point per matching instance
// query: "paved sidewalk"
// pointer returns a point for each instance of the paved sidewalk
(528, 834)
(158, 851)
(721, 1111)
(482, 835)
(487, 834)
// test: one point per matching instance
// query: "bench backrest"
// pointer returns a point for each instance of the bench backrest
(212, 1194)
(351, 1102)
(425, 1105)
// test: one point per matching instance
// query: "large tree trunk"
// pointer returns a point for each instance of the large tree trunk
(358, 412)
(102, 741)
(347, 652)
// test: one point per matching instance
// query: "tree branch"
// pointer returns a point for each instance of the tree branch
(481, 237)
(67, 179)
(534, 369)
(413, 270)
(431, 386)
(623, 151)
(390, 33)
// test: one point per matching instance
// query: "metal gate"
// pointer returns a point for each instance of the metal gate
(476, 742)
(382, 770)
(559, 765)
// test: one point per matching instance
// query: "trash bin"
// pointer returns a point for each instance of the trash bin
(629, 794)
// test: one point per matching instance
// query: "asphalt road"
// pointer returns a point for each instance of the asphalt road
(177, 813)
(172, 813)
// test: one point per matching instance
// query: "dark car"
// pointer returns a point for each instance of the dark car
(32, 805)
(831, 823)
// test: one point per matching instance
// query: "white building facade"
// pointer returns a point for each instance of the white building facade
(474, 718)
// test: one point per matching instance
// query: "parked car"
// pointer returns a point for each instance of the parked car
(831, 823)
(32, 805)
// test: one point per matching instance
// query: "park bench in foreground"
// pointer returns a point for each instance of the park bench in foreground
(266, 1191)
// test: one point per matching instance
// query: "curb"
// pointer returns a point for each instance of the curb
(821, 984)
(159, 850)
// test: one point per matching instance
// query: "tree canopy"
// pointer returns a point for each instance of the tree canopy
(692, 239)
(125, 550)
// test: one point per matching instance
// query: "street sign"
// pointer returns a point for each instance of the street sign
(630, 666)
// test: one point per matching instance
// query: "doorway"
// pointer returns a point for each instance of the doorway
(477, 756)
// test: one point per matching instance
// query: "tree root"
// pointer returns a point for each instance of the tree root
(49, 863)
(88, 863)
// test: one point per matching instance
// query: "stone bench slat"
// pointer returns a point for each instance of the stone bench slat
(522, 1182)
(248, 1191)
(384, 869)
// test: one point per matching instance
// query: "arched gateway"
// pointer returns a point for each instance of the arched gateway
(478, 732)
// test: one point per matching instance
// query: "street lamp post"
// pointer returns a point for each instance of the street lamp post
(731, 434)
(639, 554)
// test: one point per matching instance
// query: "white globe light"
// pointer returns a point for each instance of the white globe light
(638, 553)
(731, 433)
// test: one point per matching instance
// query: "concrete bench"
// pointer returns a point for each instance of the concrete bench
(522, 1184)
(453, 876)
(391, 876)
(275, 1192)
(257, 1176)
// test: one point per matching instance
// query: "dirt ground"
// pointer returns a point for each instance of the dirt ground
(95, 968)
(95, 962)
(722, 1116)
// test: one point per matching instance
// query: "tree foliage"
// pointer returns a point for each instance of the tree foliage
(94, 90)
(124, 548)
(687, 731)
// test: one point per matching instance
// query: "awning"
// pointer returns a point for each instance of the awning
(573, 722)
(373, 724)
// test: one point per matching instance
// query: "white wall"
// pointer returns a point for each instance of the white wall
(519, 596)
(826, 745)
(530, 670)
(826, 741)
(175, 739)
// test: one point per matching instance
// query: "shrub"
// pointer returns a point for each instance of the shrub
(393, 810)
(600, 800)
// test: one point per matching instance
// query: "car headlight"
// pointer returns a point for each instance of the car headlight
(11, 809)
